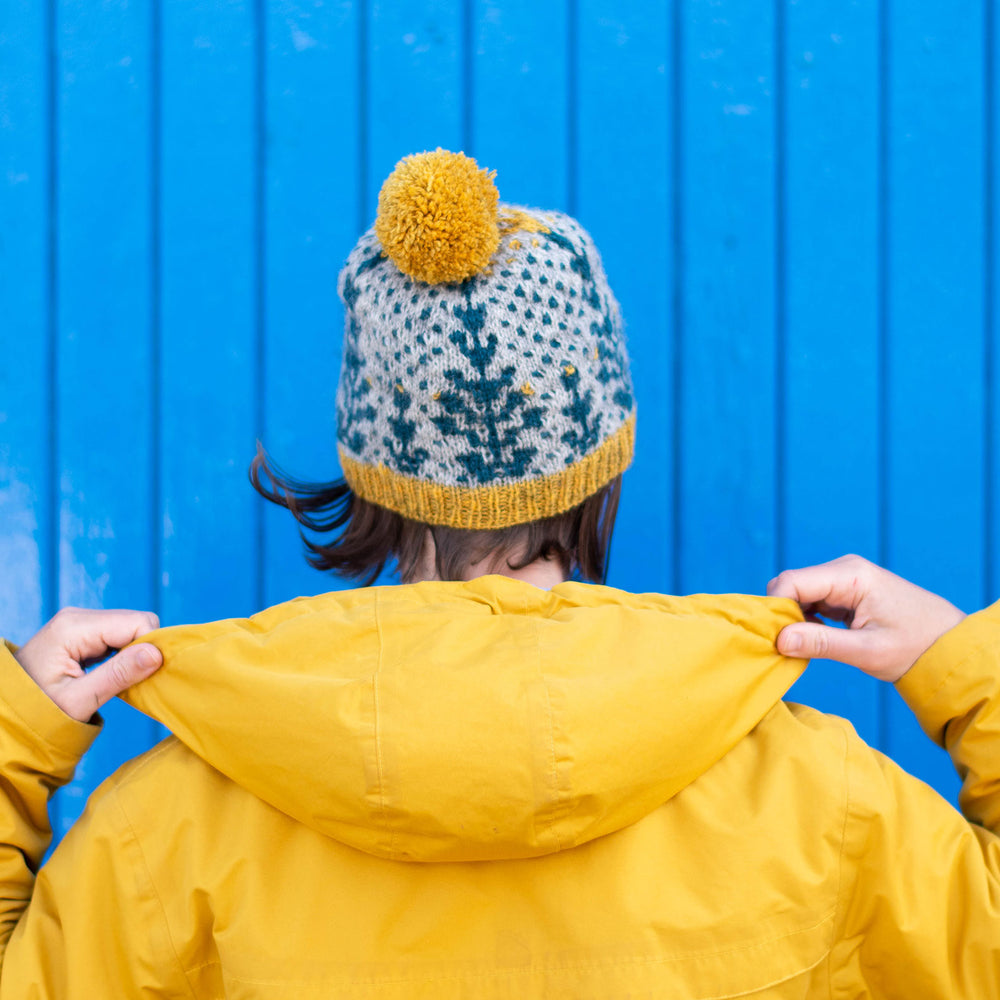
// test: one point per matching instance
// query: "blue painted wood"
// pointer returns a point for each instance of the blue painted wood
(415, 93)
(312, 192)
(991, 409)
(828, 402)
(414, 85)
(726, 493)
(792, 204)
(520, 88)
(623, 162)
(209, 319)
(26, 491)
(104, 364)
(934, 515)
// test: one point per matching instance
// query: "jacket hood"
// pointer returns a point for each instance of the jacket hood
(472, 721)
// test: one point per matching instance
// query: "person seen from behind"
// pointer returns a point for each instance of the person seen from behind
(501, 778)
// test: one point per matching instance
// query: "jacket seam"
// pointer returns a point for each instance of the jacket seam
(377, 731)
(772, 983)
(156, 894)
(956, 668)
(248, 625)
(952, 672)
(165, 745)
(580, 967)
(553, 767)
(838, 909)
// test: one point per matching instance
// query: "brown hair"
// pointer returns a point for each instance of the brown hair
(370, 535)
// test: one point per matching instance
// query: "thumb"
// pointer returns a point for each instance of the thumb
(132, 665)
(812, 641)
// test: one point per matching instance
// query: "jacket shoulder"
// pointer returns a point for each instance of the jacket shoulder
(171, 780)
(167, 761)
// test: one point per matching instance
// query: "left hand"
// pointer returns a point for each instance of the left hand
(890, 621)
(55, 657)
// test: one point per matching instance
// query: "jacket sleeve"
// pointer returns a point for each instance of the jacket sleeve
(40, 747)
(89, 923)
(922, 911)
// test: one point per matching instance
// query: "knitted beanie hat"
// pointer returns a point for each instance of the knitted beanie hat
(485, 381)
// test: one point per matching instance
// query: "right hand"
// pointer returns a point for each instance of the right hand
(56, 656)
(891, 622)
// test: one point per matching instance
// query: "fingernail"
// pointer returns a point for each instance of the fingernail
(147, 658)
(793, 642)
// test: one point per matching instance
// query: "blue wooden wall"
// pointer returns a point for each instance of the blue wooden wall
(795, 204)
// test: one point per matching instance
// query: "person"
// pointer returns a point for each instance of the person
(497, 780)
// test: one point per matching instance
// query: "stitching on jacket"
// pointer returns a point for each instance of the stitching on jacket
(317, 604)
(843, 844)
(959, 667)
(156, 893)
(573, 967)
(166, 744)
(954, 671)
(376, 723)
(553, 768)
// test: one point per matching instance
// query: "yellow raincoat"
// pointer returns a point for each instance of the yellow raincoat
(489, 790)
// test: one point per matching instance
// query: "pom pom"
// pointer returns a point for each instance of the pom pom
(437, 217)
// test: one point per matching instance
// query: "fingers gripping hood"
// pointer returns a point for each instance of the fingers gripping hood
(471, 721)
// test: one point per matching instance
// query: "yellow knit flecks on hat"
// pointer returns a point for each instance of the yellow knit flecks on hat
(456, 303)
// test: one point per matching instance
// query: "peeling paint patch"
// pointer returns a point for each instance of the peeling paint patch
(301, 40)
(418, 48)
(21, 583)
(80, 548)
(76, 584)
(738, 109)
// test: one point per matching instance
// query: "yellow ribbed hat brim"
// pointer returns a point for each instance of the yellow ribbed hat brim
(491, 507)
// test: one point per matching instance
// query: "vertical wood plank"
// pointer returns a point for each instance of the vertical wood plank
(104, 358)
(26, 489)
(831, 397)
(624, 194)
(727, 434)
(520, 99)
(209, 319)
(313, 187)
(934, 514)
(991, 47)
(415, 84)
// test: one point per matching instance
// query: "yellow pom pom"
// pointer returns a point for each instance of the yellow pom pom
(437, 217)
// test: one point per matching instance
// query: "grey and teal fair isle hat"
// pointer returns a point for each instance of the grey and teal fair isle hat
(485, 380)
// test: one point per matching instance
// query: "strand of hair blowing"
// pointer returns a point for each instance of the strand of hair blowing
(370, 536)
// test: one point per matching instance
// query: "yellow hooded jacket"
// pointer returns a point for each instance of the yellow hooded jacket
(489, 790)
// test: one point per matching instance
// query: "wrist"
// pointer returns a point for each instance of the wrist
(33, 718)
(946, 619)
